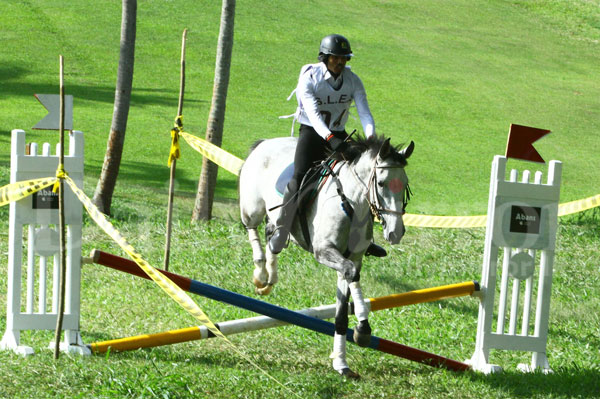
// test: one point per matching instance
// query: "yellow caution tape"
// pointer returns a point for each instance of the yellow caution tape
(464, 222)
(60, 174)
(180, 296)
(176, 293)
(19, 190)
(216, 154)
(175, 151)
(581, 205)
(233, 164)
(444, 222)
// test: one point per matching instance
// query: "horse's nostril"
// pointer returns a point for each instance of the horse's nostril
(392, 237)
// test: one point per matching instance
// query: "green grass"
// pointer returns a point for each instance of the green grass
(117, 305)
(451, 76)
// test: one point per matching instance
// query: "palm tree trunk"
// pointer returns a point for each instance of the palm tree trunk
(116, 139)
(214, 129)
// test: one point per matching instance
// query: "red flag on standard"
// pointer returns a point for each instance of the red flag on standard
(520, 143)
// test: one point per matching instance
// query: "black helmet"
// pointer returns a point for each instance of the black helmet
(335, 45)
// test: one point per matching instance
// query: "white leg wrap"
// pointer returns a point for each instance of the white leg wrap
(360, 308)
(257, 251)
(271, 266)
(339, 352)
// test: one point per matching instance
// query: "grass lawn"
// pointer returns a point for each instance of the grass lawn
(116, 305)
(452, 76)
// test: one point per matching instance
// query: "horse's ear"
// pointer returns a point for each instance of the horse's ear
(384, 151)
(408, 150)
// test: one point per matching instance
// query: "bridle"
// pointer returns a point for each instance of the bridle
(374, 199)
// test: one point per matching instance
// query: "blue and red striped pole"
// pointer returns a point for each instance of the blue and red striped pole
(279, 313)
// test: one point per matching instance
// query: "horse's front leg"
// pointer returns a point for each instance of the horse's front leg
(350, 272)
(362, 331)
(338, 355)
(327, 254)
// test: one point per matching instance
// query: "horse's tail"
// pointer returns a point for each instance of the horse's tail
(253, 146)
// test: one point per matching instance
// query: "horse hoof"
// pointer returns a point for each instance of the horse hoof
(347, 373)
(362, 334)
(362, 340)
(258, 284)
(266, 290)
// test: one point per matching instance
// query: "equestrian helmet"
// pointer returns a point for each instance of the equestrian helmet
(335, 45)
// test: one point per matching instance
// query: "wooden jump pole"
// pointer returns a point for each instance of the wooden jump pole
(283, 314)
(263, 322)
(200, 332)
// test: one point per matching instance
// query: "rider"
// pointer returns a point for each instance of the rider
(325, 92)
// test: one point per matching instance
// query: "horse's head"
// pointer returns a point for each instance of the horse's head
(388, 189)
(380, 168)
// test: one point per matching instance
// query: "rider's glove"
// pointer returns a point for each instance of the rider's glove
(336, 143)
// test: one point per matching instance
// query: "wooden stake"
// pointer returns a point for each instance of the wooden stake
(61, 217)
(174, 162)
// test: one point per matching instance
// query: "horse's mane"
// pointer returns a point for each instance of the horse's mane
(357, 146)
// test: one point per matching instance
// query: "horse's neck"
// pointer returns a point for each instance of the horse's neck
(354, 179)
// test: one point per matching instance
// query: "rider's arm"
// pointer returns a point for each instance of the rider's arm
(362, 107)
(305, 93)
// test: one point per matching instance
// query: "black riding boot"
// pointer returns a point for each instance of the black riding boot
(283, 224)
(376, 250)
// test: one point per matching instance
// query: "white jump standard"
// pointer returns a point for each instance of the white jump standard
(522, 219)
(40, 214)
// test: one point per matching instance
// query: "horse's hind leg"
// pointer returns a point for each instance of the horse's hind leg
(265, 272)
(265, 268)
(258, 256)
(271, 268)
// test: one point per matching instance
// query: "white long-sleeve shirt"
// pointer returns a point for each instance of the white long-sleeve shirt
(323, 101)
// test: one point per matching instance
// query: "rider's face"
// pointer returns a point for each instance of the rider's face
(336, 63)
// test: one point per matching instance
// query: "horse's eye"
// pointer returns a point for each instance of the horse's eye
(380, 184)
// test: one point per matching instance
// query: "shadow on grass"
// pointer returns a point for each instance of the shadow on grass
(567, 382)
(156, 176)
(13, 85)
(196, 353)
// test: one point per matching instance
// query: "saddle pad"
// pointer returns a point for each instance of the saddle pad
(284, 179)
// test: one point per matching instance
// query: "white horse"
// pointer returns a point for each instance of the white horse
(368, 181)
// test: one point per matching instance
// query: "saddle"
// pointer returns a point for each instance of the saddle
(319, 173)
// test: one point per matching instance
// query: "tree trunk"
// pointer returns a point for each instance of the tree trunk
(116, 139)
(214, 129)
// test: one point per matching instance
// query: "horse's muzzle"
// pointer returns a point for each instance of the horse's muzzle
(393, 238)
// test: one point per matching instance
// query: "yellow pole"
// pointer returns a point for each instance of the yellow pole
(256, 323)
(424, 295)
(148, 340)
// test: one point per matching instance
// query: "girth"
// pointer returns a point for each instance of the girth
(327, 170)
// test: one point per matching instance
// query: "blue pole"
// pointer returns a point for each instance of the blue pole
(321, 326)
(280, 313)
(264, 308)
